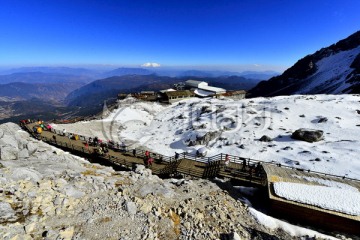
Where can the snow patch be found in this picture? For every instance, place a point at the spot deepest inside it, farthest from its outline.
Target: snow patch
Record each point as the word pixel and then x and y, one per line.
pixel 274 224
pixel 331 198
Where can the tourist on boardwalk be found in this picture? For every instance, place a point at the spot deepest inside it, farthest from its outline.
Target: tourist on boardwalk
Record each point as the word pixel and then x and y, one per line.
pixel 258 169
pixel 123 147
pixel 147 154
pixel 251 169
pixel 86 145
pixel 243 164
pixel 150 161
pixel 96 141
pixel 159 159
pixel 54 138
pixel 226 162
pixel 134 152
pixel 177 155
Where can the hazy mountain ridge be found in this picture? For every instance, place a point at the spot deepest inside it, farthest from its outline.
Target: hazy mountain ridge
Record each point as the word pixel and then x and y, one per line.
pixel 45 91
pixel 53 70
pixel 334 69
pixel 126 71
pixel 41 77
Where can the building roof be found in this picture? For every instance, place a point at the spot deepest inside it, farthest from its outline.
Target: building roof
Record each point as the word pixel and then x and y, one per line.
pixel 167 90
pixel 203 93
pixel 186 93
pixel 194 82
pixel 212 89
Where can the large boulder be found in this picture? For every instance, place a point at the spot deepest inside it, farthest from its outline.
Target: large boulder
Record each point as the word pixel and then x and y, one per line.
pixel 308 135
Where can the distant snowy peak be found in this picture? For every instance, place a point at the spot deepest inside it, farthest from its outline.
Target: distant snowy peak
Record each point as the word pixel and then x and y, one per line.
pixel 331 70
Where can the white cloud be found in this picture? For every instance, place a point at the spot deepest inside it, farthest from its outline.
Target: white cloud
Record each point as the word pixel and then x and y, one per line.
pixel 149 64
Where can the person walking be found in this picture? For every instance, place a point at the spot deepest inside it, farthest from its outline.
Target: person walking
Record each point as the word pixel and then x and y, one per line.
pixel 134 152
pixel 226 162
pixel 243 165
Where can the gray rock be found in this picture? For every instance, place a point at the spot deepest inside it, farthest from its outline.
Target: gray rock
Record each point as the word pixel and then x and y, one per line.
pixel 322 120
pixel 308 135
pixel 6 212
pixel 131 208
pixel 8 140
pixel 24 153
pixel 140 169
pixel 8 153
pixel 31 147
pixel 206 138
pixel 234 236
pixel 265 138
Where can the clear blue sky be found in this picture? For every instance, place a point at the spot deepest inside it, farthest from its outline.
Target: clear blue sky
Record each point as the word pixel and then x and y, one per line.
pixel 270 33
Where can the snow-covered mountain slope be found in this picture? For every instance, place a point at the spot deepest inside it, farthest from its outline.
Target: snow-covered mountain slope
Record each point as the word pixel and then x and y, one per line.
pixel 331 74
pixel 236 127
pixel 331 70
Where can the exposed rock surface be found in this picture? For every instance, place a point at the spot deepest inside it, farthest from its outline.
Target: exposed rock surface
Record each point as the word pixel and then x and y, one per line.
pixel 265 138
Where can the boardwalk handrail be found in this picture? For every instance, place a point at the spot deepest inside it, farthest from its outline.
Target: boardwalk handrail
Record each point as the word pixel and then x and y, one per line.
pixel 218 157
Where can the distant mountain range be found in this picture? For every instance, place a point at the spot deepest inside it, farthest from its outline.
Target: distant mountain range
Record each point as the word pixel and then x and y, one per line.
pixel 126 71
pixel 53 70
pixel 45 91
pixel 41 77
pixel 331 70
pixel 264 75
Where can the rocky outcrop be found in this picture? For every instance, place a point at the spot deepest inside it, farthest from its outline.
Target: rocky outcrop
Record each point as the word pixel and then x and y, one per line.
pixel 308 135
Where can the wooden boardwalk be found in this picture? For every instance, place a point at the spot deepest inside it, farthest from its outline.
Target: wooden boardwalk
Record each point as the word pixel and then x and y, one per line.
pixel 211 167
pixel 186 164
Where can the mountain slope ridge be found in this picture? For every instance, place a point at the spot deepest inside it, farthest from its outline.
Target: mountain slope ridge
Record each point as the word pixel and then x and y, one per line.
pixel 331 70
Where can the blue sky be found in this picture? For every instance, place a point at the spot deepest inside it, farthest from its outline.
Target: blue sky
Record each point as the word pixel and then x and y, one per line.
pixel 233 34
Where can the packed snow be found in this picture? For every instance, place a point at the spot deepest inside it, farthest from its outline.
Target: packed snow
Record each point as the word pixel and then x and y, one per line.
pixel 239 124
pixel 328 183
pixel 273 223
pixel 331 198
